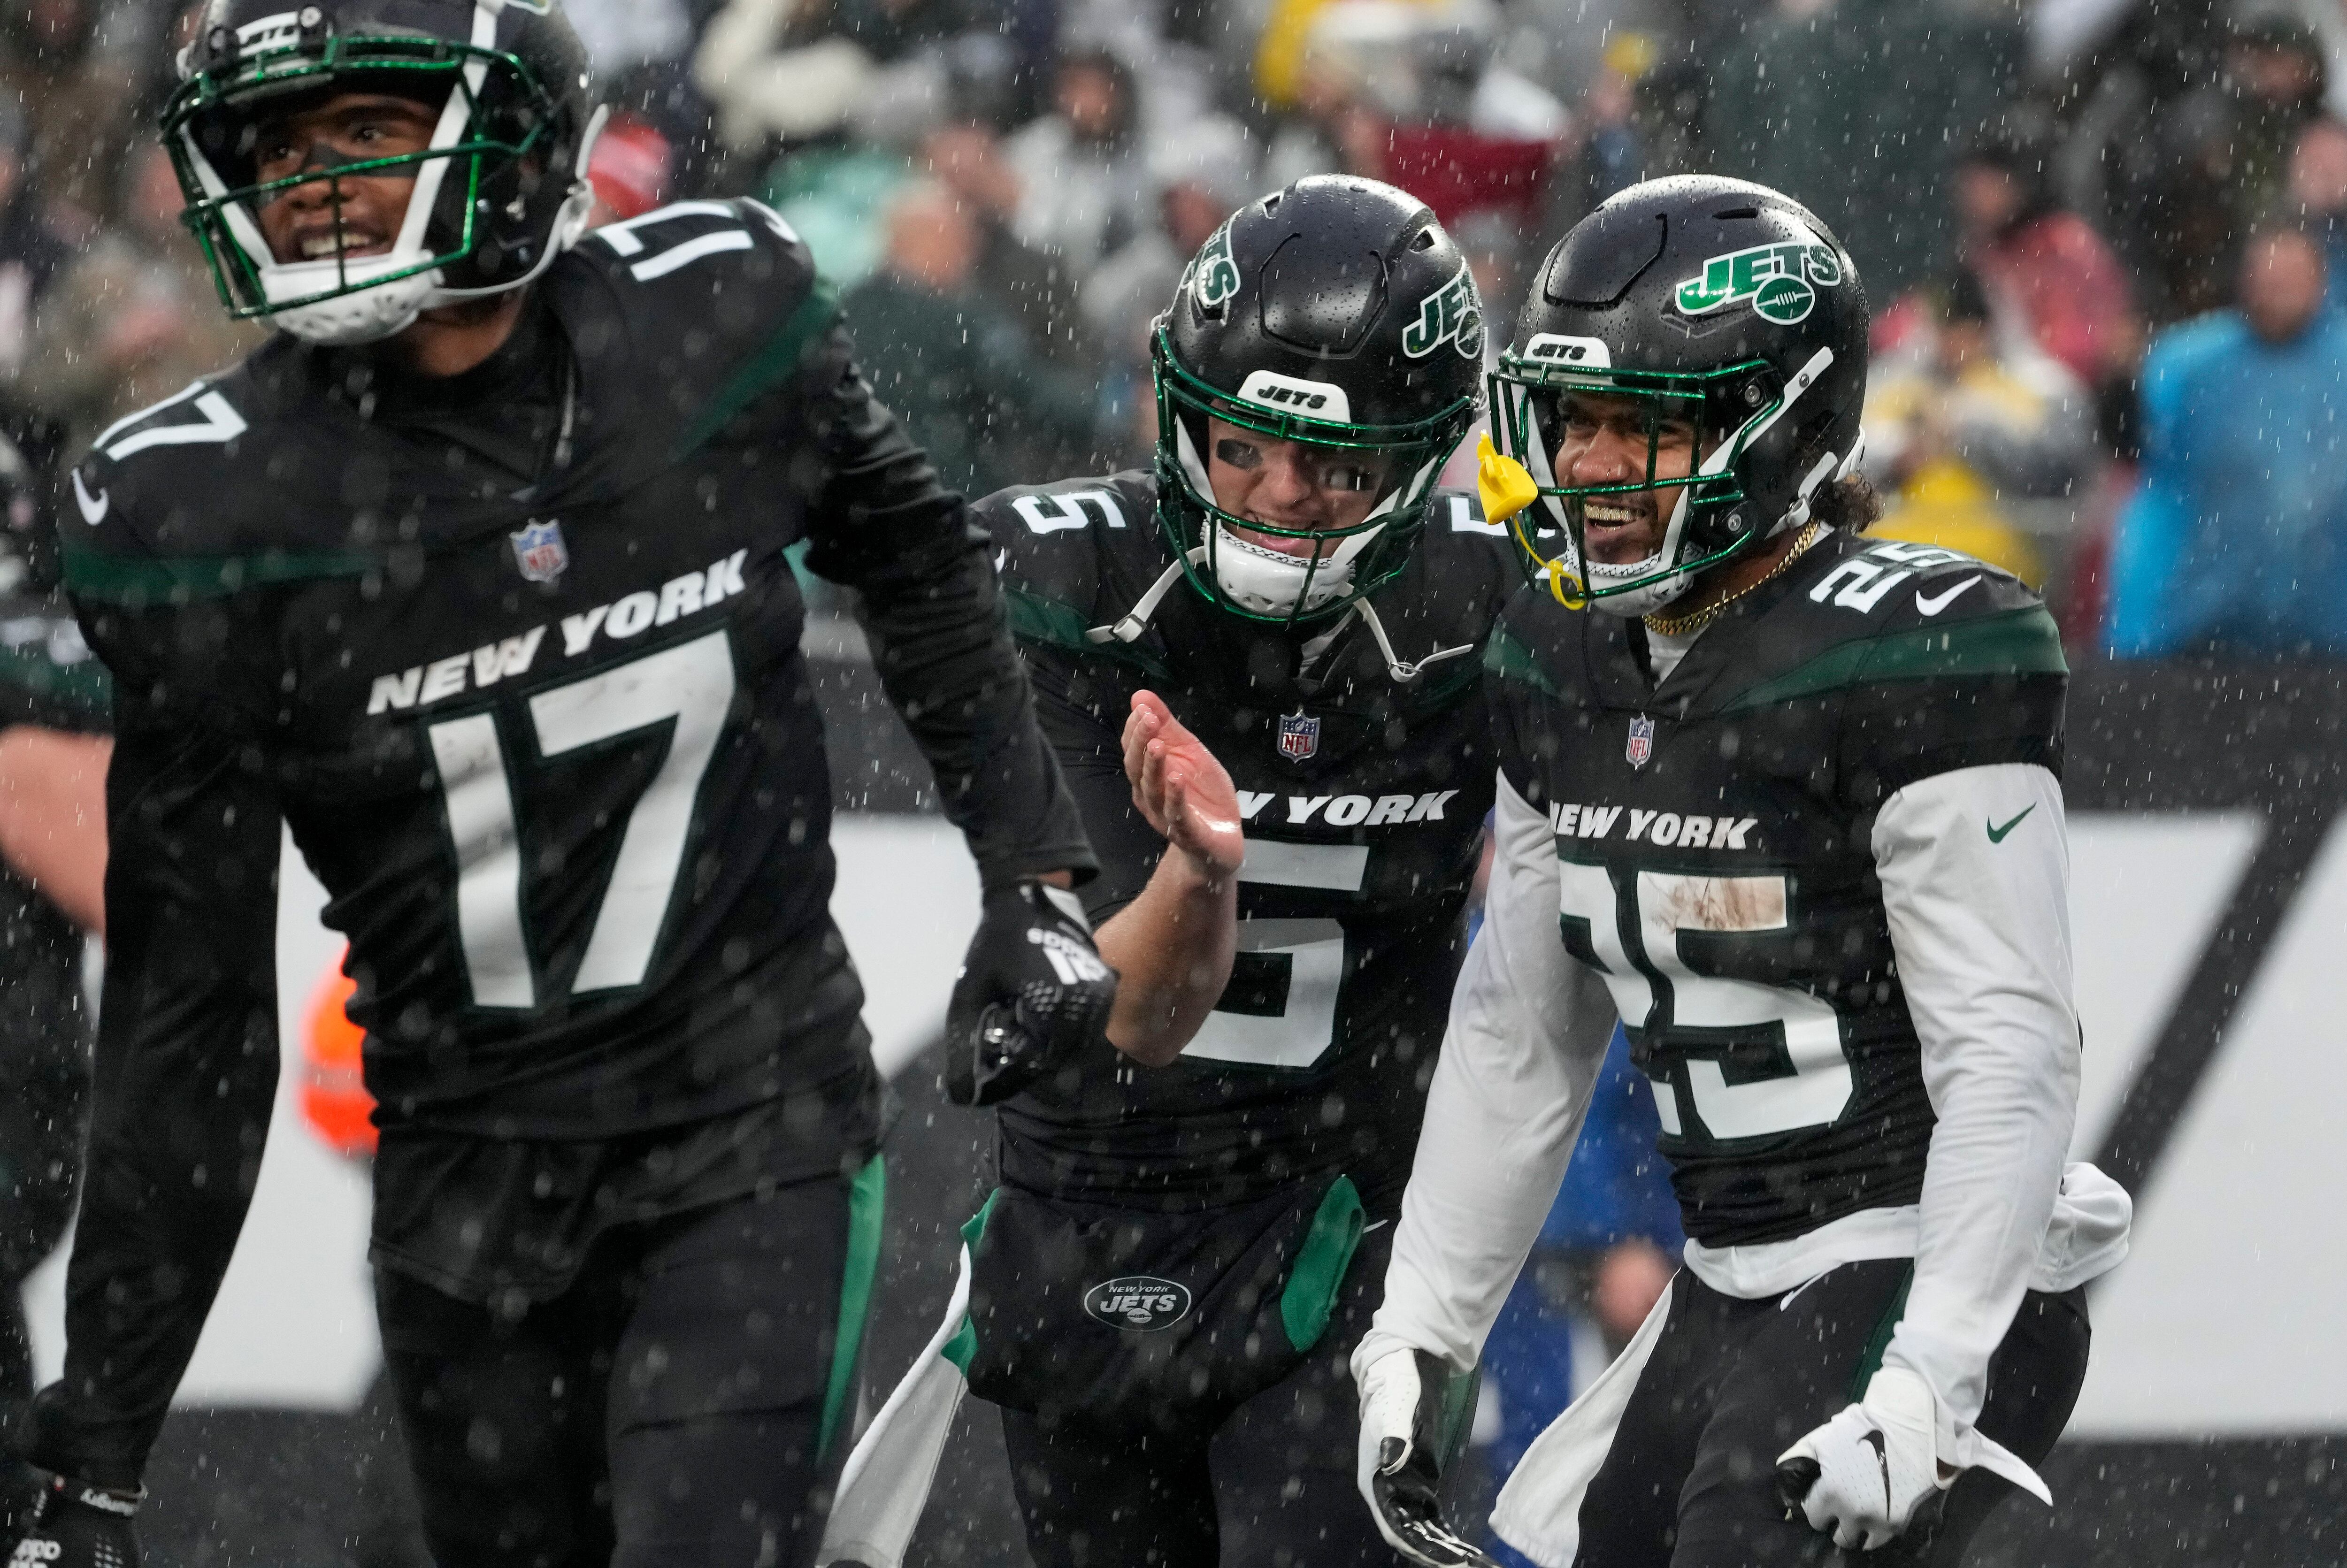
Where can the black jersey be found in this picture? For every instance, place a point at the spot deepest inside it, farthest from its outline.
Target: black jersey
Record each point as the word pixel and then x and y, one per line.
pixel 1364 799
pixel 518 661
pixel 1715 836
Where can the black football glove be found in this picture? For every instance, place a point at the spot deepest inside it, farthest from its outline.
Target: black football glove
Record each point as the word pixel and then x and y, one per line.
pixel 1398 1471
pixel 81 1526
pixel 1033 991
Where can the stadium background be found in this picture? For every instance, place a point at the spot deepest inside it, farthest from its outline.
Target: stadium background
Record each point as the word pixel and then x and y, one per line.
pixel 2066 211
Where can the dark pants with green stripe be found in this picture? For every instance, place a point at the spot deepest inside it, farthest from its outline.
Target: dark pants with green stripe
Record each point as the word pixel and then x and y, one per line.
pixel 1271 1486
pixel 689 1401
pixel 1690 1479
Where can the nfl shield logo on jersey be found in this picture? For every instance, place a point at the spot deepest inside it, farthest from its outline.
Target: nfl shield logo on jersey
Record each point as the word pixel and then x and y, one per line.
pixel 539 551
pixel 1641 741
pixel 1299 736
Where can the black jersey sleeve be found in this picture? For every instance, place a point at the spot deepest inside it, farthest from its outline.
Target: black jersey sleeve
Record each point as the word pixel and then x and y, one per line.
pixel 186 1076
pixel 1083 720
pixel 1965 670
pixel 883 523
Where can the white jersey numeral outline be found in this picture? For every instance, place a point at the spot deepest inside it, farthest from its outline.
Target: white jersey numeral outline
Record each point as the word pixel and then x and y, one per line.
pixel 690 686
pixel 220 426
pixel 1301 1033
pixel 1666 906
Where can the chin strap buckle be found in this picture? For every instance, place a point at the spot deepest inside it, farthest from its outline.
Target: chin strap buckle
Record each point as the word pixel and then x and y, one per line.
pixel 1136 620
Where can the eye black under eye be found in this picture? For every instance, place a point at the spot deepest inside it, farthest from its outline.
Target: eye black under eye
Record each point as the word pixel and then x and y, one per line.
pixel 1236 453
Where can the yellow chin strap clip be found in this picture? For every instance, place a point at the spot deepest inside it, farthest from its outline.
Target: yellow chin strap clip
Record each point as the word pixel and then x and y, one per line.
pixel 1508 491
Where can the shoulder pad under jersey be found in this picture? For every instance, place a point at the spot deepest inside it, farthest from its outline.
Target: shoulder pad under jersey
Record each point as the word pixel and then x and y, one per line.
pixel 1875 609
pixel 1075 554
pixel 681 319
pixel 232 483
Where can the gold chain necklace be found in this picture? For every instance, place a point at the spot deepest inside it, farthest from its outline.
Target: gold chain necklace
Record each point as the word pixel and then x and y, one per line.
pixel 1696 621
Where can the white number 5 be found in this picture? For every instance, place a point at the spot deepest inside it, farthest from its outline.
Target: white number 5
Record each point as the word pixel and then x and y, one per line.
pixel 692 684
pixel 1301 1032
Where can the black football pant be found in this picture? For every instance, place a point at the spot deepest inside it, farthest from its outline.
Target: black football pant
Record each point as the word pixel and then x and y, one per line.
pixel 1271 1487
pixel 1690 1479
pixel 666 1410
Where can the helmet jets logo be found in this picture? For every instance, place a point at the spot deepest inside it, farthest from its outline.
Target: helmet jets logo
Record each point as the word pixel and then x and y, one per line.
pixel 282 31
pixel 1777 279
pixel 1215 275
pixel 1452 314
pixel 1293 394
pixel 1555 348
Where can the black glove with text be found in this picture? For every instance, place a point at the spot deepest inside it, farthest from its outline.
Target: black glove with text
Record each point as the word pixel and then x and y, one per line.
pixel 1033 990
pixel 1398 1467
pixel 80 1525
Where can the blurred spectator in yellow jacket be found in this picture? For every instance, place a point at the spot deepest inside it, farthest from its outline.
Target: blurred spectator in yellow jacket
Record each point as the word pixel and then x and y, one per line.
pixel 1974 421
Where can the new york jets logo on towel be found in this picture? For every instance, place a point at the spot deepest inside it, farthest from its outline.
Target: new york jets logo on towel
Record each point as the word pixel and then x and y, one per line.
pixel 1138 1302
pixel 1780 280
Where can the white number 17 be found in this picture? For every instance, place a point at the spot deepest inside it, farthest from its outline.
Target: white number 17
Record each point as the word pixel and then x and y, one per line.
pixel 692 684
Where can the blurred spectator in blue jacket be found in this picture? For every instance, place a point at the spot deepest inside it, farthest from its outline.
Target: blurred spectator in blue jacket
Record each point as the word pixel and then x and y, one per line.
pixel 2236 542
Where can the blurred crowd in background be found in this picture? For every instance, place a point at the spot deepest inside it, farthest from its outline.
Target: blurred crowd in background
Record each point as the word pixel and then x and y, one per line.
pixel 2103 238
pixel 2104 243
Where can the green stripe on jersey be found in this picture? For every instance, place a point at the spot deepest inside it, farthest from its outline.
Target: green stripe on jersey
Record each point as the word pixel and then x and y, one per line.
pixel 1036 619
pixel 117 580
pixel 771 365
pixel 2021 642
pixel 1508 656
pixel 83 685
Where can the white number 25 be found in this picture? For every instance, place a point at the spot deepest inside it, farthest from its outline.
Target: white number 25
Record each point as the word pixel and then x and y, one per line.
pixel 1818 1090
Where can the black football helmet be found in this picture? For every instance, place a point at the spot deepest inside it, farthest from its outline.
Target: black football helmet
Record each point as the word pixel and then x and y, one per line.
pixel 1712 301
pixel 499 194
pixel 1338 314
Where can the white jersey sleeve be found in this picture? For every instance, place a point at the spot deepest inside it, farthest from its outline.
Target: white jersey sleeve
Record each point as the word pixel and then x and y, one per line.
pixel 1975 881
pixel 1527 1034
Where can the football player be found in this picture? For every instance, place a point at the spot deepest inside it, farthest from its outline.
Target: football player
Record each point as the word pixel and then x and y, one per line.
pixel 1788 800
pixel 1257 664
pixel 473 577
pixel 53 752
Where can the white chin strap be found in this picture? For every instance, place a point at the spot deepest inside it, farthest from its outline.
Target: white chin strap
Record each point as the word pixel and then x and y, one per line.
pixel 1270 583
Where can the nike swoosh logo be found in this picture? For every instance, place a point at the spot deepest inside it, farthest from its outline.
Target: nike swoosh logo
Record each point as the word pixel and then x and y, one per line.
pixel 93 507
pixel 1367 1229
pixel 1883 1458
pixel 1933 605
pixel 1996 834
